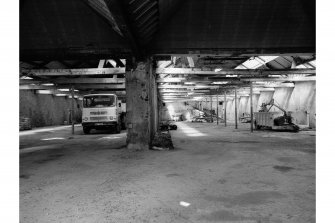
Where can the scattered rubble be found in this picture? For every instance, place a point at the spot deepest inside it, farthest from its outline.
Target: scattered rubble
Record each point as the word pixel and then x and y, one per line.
pixel 162 141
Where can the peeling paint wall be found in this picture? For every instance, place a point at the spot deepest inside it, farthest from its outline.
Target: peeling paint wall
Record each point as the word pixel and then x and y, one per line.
pixel 47 110
pixel 264 97
pixel 243 106
pixel 281 97
pixel 230 110
pixel 302 101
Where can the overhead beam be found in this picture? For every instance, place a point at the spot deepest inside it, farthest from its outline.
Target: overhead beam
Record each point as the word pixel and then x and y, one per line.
pixel 186 86
pixel 239 72
pixel 118 93
pixel 36 87
pixel 249 52
pixel 55 92
pixel 116 7
pixel 204 80
pixel 74 72
pixel 118 87
pixel 101 8
pixel 75 81
pixel 78 87
pixel 281 79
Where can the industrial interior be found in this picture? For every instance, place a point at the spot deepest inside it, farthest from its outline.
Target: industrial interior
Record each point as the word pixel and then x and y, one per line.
pixel 167 111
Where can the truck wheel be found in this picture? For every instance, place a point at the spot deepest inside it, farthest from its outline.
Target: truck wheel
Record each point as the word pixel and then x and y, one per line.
pixel 86 130
pixel 257 126
pixel 118 128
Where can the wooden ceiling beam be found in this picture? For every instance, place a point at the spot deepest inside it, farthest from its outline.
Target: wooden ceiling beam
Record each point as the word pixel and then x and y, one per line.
pixel 73 72
pixel 239 72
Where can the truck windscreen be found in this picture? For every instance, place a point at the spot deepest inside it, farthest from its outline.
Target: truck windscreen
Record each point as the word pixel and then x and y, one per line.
pixel 98 101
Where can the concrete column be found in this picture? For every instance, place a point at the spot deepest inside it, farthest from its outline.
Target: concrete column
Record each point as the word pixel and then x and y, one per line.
pixel 217 109
pixel 211 108
pixel 140 92
pixel 225 109
pixel 235 108
pixel 72 108
pixel 251 109
pixel 153 103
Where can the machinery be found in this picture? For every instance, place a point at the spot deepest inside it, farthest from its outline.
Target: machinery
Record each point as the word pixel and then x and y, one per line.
pixel 274 120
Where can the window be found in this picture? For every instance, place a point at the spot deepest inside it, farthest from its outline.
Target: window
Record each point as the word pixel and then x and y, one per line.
pixel 99 101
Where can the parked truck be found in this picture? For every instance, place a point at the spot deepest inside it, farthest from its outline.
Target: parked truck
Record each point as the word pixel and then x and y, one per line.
pixel 102 111
pixel 279 121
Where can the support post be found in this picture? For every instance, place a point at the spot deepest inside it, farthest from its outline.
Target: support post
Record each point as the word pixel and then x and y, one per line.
pixel 211 109
pixel 217 109
pixel 140 106
pixel 251 109
pixel 72 108
pixel 225 108
pixel 235 108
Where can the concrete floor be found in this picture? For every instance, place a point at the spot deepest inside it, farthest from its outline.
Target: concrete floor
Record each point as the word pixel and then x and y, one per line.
pixel 226 175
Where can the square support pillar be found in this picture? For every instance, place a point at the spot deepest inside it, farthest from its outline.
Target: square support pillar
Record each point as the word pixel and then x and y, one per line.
pixel 140 99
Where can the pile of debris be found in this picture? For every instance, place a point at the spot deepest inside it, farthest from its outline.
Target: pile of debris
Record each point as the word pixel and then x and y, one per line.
pixel 167 125
pixel 162 141
pixel 25 123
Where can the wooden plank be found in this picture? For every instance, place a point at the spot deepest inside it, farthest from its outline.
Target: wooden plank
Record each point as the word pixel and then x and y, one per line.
pixel 96 86
pixel 75 72
pixel 220 79
pixel 239 72
pixel 75 81
pixel 36 87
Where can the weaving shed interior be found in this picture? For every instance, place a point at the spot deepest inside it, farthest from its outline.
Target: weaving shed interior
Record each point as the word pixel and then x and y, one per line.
pixel 230 85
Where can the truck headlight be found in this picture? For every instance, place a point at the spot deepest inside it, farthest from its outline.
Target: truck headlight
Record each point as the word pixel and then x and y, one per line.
pixel 85 119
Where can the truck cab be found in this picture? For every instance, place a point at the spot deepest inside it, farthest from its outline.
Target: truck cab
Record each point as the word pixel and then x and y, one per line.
pixel 101 111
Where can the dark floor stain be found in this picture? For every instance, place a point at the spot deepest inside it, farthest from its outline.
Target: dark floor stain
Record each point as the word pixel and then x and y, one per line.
pixel 82 166
pixel 283 168
pixel 311 151
pixel 110 147
pixel 24 176
pixel 49 158
pixel 245 141
pixel 173 175
pixel 287 159
pixel 222 181
pixel 232 141
pixel 132 156
pixel 249 198
pixel 223 215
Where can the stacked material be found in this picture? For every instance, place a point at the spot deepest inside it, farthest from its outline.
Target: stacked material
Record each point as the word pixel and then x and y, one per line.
pixel 25 123
pixel 162 141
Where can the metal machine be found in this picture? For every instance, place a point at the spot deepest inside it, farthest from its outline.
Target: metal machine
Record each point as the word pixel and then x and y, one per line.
pixel 274 120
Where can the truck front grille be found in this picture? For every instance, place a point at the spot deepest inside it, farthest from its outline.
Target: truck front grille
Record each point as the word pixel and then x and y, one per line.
pixel 98 112
pixel 98 118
